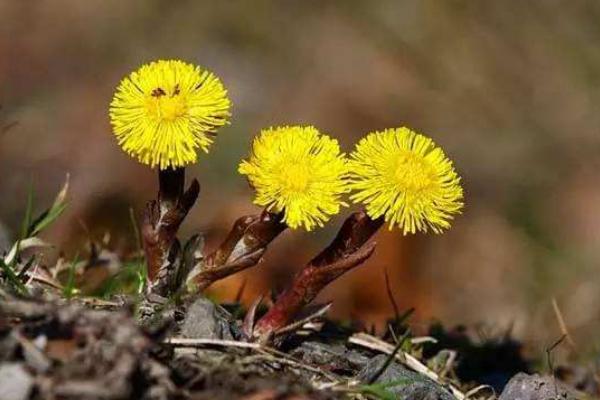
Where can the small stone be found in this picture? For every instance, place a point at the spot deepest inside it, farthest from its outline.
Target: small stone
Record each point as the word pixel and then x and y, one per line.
pixel 15 382
pixel 356 359
pixel 335 356
pixel 205 320
pixel 535 387
pixel 405 384
pixel 320 353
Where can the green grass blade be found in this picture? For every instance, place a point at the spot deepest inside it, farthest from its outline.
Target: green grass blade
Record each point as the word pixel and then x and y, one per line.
pixel 48 218
pixel 51 214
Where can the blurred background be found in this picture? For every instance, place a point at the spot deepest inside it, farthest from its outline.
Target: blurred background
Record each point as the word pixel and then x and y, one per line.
pixel 509 89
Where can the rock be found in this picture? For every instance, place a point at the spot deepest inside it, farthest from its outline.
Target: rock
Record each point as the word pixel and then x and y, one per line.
pixel 335 356
pixel 206 320
pixel 405 384
pixel 535 387
pixel 15 382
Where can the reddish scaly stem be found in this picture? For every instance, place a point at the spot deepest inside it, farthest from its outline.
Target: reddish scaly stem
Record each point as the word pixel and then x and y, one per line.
pixel 162 219
pixel 243 248
pixel 348 250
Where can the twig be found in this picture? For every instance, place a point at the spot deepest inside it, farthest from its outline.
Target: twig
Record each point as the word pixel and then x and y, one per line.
pixel 100 303
pixel 478 389
pixel 563 325
pixel 298 324
pixel 199 343
pixel 50 281
pixel 423 339
pixel 373 343
pixel 388 288
pixel 549 351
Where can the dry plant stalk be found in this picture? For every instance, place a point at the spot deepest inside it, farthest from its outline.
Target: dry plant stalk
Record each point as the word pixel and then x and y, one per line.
pixel 348 250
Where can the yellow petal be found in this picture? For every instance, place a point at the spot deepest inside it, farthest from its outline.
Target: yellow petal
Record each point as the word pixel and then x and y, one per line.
pixel 166 111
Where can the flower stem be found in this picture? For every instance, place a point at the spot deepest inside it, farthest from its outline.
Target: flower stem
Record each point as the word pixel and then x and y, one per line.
pixel 162 219
pixel 170 187
pixel 348 250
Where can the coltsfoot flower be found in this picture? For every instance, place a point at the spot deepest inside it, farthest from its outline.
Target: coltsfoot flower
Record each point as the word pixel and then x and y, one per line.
pixel 404 177
pixel 166 111
pixel 298 171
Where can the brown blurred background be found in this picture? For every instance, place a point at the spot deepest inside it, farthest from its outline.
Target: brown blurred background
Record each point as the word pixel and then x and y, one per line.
pixel 510 89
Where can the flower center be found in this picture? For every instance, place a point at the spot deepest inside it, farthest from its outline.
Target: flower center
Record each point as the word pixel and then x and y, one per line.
pixel 295 178
pixel 166 107
pixel 413 174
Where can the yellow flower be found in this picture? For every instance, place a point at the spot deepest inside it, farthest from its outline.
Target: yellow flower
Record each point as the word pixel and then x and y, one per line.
pixel 405 177
pixel 165 111
pixel 297 171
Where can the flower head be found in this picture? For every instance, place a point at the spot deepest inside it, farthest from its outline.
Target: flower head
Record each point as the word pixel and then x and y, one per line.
pixel 405 177
pixel 165 111
pixel 297 171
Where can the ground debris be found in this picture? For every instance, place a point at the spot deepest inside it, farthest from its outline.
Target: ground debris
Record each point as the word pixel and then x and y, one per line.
pixel 75 352
pixel 241 376
pixel 78 349
pixel 59 350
